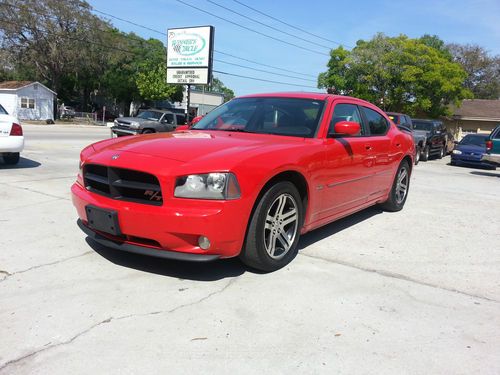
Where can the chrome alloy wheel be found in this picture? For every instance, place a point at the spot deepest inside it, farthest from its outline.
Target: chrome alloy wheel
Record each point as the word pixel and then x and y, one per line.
pixel 281 226
pixel 402 185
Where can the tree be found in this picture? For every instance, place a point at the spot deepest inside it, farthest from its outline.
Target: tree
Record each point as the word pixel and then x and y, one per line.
pixel 398 73
pixel 483 70
pixel 51 38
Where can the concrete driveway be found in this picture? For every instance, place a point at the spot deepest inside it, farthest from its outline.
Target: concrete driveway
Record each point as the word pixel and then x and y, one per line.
pixel 411 292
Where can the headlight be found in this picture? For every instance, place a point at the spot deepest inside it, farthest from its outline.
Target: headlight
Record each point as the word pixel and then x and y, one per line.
pixel 457 152
pixel 134 125
pixel 208 186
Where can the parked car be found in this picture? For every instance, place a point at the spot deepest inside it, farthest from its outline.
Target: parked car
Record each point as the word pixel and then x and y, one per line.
pixel 148 121
pixel 493 147
pixel 11 137
pixel 470 150
pixel 67 112
pixel 435 135
pixel 247 180
pixel 403 122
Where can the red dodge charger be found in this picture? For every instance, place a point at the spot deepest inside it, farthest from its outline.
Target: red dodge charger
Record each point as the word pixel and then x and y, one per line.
pixel 247 180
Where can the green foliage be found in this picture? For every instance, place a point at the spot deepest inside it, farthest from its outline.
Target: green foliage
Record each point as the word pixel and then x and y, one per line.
pixel 398 74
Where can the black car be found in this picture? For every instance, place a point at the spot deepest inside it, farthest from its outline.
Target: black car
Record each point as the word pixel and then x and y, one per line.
pixel 436 137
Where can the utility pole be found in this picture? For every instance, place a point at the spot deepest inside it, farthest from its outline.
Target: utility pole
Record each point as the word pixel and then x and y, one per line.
pixel 188 99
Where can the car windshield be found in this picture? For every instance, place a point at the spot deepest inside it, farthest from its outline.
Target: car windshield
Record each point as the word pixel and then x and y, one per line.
pixel 3 111
pixel 279 116
pixel 417 125
pixel 150 115
pixel 394 118
pixel 473 140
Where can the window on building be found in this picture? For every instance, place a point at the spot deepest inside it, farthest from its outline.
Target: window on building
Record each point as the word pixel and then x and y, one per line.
pixel 27 103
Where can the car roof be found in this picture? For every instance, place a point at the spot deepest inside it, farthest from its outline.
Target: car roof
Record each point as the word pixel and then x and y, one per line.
pixel 304 95
pixel 396 113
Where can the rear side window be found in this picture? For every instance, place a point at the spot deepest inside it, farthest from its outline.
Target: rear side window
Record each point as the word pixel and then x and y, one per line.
pixel 181 119
pixel 345 112
pixel 376 122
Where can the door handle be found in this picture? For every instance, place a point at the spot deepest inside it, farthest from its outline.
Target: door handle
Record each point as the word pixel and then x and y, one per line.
pixel 368 147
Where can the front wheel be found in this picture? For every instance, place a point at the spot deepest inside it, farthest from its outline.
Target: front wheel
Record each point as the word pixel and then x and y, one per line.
pixel 417 155
pixel 274 229
pixel 441 153
pixel 426 153
pixel 11 158
pixel 399 190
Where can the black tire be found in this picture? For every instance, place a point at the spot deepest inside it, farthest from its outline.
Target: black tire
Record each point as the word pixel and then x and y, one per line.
pixel 442 153
pixel 425 154
pixel 11 158
pixel 263 237
pixel 396 202
pixel 417 155
pixel 147 131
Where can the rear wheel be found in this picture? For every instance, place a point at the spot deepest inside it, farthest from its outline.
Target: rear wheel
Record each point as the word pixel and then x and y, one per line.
pixel 11 158
pixel 148 131
pixel 399 190
pixel 274 229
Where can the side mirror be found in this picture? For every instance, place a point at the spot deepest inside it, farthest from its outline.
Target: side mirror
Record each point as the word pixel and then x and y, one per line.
pixel 347 128
pixel 182 127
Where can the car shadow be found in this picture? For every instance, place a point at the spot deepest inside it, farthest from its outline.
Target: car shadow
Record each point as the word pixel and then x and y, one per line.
pixel 489 174
pixel 337 226
pixel 219 269
pixel 210 271
pixel 24 163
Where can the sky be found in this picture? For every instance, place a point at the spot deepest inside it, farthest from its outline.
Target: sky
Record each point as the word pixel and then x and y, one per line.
pixel 336 22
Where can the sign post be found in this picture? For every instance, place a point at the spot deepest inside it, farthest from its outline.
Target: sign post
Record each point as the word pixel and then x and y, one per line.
pixel 190 57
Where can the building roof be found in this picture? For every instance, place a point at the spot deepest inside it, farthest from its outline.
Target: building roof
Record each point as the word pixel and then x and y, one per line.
pixel 16 85
pixel 478 109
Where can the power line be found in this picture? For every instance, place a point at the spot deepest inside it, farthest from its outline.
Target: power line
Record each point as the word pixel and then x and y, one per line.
pixel 290 25
pixel 221 52
pixel 266 65
pixel 264 71
pixel 266 25
pixel 263 80
pixel 253 30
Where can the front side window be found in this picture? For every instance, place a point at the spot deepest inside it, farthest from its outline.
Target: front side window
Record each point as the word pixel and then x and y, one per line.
pixel 376 122
pixel 168 118
pixel 3 111
pixel 267 115
pixel 345 112
pixel 27 103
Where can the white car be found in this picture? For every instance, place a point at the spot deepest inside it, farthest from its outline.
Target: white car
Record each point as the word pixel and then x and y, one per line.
pixel 11 137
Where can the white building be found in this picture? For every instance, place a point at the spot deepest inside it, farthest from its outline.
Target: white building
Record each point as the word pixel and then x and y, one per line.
pixel 27 100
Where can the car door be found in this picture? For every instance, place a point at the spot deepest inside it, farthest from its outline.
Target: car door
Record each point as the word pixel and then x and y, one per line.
pixel 348 165
pixel 380 146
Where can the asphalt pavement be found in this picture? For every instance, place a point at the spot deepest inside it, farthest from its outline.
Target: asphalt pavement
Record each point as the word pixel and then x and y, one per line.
pixel 415 292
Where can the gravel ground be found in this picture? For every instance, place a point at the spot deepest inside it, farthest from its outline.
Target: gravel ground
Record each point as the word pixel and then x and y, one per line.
pixel 411 292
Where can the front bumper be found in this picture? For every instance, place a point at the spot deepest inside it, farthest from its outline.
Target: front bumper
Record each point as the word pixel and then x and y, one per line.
pixel 118 130
pixel 11 144
pixel 171 230
pixel 471 161
pixel 143 250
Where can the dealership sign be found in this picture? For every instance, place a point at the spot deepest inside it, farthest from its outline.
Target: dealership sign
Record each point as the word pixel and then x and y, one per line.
pixel 189 55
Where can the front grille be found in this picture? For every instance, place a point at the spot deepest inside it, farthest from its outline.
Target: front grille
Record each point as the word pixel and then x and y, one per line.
pixel 122 184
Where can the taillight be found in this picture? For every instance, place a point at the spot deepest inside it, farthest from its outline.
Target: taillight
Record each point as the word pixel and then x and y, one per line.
pixel 16 130
pixel 489 145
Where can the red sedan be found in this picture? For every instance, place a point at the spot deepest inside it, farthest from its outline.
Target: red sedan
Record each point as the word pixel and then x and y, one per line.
pixel 247 180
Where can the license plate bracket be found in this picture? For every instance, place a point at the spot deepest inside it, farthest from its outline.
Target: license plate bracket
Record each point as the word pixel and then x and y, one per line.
pixel 103 220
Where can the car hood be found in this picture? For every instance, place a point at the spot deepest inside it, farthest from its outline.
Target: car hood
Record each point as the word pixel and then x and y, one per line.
pixel 136 120
pixel 188 146
pixel 471 148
